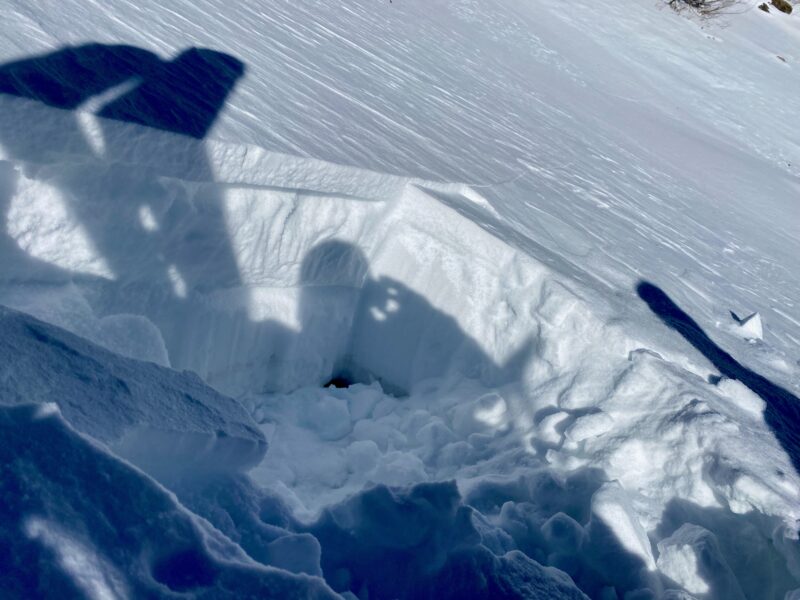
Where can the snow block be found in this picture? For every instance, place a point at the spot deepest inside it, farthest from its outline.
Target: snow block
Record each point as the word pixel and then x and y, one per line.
pixel 157 418
pixel 618 546
pixel 691 556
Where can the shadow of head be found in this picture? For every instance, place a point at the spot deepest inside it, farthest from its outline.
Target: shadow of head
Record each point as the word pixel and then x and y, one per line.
pixel 334 263
pixel 181 96
pixel 331 277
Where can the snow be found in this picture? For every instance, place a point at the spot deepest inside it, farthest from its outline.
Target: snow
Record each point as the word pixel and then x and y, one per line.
pixel 692 550
pixel 613 509
pixel 516 232
pixel 79 522
pixel 151 415
pixel 751 328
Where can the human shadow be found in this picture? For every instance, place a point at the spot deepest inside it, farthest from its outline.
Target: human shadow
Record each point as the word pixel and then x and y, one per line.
pixel 396 336
pixel 782 408
pixel 161 240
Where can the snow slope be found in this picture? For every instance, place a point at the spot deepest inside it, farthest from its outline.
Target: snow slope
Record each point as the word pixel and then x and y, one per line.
pixel 519 229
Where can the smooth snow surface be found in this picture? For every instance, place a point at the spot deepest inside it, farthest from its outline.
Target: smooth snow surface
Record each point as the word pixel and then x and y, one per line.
pixel 545 254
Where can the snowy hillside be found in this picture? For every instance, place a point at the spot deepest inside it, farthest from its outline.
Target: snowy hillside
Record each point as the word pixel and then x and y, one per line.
pixel 409 299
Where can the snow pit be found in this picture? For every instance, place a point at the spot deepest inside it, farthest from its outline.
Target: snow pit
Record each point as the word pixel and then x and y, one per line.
pixel 443 411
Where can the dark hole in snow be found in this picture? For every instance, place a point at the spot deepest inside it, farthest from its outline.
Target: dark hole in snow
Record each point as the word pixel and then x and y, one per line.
pixel 339 381
pixel 185 570
pixel 353 375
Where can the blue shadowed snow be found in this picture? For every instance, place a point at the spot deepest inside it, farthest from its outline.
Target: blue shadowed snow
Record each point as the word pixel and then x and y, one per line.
pixel 782 408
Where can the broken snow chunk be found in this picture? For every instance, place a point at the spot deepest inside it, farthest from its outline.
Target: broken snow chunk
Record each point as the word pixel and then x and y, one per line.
pixel 455 455
pixel 563 534
pixel 491 409
pixel 399 469
pixel 433 436
pixel 362 400
pixel 589 426
pixel 486 413
pixel 383 434
pixel 750 328
pixel 692 558
pixel 362 456
pixel 329 417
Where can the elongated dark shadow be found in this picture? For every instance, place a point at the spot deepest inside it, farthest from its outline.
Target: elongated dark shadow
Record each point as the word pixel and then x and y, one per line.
pixel 782 412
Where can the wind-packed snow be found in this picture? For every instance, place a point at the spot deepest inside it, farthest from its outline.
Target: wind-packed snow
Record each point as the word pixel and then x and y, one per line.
pixel 545 254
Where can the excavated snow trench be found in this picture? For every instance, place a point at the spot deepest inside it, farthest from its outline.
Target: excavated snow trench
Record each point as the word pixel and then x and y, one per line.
pixel 467 359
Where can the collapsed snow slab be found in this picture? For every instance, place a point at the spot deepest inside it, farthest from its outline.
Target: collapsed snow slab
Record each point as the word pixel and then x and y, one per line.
pixel 160 419
pixel 77 522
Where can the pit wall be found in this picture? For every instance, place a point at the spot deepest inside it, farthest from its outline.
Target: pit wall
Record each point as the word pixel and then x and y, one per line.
pixel 257 270
pixel 262 272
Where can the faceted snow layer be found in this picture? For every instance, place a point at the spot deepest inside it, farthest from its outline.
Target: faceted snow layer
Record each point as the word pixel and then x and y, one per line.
pixel 520 414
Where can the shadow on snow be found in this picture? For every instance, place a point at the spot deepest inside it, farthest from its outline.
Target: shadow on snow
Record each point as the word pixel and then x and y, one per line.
pixel 782 412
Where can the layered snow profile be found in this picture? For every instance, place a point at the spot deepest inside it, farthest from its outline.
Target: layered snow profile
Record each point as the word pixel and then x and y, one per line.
pixel 233 366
